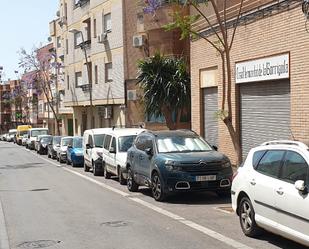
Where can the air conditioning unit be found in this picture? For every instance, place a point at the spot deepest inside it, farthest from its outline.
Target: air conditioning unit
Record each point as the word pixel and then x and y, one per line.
pixel 102 38
pixel 108 112
pixel 138 41
pixel 131 95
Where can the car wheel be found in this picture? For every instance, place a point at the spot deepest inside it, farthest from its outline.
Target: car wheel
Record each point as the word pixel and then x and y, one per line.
pixel 131 184
pixel 122 181
pixel 224 193
pixel 246 217
pixel 48 155
pixel 107 175
pixel 68 162
pixel 157 187
pixel 96 171
pixel 86 168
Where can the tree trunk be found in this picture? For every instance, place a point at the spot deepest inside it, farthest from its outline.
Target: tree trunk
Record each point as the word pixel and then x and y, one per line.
pixel 168 118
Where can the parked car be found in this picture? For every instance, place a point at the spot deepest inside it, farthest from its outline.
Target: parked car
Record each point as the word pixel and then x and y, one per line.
pixel 21 131
pixel 24 140
pixel 62 151
pixel 176 161
pixel 43 144
pixel 75 152
pixel 92 149
pixel 11 135
pixel 270 190
pixel 37 142
pixel 53 147
pixel 33 134
pixel 115 147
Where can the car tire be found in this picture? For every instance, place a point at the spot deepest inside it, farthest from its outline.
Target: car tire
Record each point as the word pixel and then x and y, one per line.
pixel 224 193
pixel 68 162
pixel 246 218
pixel 96 171
pixel 86 168
pixel 107 175
pixel 48 155
pixel 131 184
pixel 122 181
pixel 157 187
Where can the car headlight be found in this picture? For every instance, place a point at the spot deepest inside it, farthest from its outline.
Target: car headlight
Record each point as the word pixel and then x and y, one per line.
pixel 226 164
pixel 171 166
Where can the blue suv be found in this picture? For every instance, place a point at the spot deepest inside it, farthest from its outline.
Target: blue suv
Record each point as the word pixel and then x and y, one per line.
pixel 176 161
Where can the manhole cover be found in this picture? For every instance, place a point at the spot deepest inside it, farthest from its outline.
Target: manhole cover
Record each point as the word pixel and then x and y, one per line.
pixel 226 209
pixel 38 244
pixel 117 223
pixel 39 189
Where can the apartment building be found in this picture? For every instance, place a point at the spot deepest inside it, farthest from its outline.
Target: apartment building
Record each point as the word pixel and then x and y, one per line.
pixel 92 40
pixel 5 108
pixel 16 102
pixel 145 35
pixel 58 33
pixel 270 90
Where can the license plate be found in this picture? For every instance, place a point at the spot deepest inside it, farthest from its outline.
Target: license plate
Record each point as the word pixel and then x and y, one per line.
pixel 205 178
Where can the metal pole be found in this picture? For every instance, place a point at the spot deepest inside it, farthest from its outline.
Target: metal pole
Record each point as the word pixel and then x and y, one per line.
pixel 57 94
pixel 89 80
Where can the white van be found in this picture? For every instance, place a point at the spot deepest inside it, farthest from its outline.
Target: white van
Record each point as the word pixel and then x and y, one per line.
pixel 33 134
pixel 93 149
pixel 12 134
pixel 116 144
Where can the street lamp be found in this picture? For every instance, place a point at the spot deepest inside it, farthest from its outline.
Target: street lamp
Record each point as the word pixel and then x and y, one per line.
pixel 83 47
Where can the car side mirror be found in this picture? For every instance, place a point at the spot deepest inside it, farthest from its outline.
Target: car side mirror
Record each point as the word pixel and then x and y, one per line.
pixel 149 151
pixel 70 146
pixel 112 150
pixel 88 146
pixel 57 145
pixel 215 147
pixel 49 143
pixel 301 187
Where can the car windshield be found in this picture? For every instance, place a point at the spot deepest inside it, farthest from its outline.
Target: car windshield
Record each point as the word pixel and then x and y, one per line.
pixel 77 142
pixel 98 140
pixel 25 135
pixel 56 140
pixel 66 141
pixel 36 133
pixel 174 144
pixel 125 143
pixel 22 133
pixel 46 139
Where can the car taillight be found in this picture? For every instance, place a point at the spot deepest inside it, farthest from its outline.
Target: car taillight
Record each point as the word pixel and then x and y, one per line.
pixel 234 175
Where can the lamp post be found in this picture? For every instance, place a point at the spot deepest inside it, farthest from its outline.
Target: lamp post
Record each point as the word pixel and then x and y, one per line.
pixel 83 47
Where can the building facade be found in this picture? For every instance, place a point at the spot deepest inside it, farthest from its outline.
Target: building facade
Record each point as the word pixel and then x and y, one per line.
pixel 5 108
pixel 269 78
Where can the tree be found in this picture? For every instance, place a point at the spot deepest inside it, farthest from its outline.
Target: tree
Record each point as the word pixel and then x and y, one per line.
pixel 42 62
pixel 222 40
pixel 166 86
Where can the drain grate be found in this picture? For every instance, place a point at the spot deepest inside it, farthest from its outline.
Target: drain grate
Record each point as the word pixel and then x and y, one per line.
pixel 38 244
pixel 39 189
pixel 118 223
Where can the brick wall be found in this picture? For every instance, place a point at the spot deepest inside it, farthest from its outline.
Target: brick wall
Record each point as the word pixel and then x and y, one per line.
pixel 283 32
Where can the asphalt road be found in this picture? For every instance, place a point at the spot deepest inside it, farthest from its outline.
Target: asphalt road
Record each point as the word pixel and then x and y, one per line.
pixel 48 205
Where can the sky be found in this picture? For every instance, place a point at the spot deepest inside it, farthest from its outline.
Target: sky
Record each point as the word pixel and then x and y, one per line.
pixel 23 24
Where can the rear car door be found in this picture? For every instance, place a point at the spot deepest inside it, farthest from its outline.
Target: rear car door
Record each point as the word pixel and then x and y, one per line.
pixel 262 183
pixel 293 205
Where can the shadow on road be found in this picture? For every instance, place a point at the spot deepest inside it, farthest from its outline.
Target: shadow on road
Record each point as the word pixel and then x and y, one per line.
pixel 21 166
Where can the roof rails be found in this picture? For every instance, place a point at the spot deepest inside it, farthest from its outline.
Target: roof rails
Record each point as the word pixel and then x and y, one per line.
pixel 286 142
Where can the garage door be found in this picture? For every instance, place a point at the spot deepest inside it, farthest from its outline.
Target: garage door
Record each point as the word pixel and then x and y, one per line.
pixel 210 119
pixel 264 113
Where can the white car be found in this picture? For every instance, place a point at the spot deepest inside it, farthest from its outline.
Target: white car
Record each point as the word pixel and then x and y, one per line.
pixel 116 144
pixel 24 139
pixel 32 136
pixel 270 190
pixel 62 150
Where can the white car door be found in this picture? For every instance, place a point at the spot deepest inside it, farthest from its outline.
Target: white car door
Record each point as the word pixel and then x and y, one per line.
pixel 262 182
pixel 107 159
pixel 292 204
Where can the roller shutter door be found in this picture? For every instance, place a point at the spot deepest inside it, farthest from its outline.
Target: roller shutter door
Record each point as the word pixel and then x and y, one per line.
pixel 210 119
pixel 264 113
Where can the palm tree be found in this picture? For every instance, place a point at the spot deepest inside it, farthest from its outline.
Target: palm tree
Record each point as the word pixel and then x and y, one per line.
pixel 166 85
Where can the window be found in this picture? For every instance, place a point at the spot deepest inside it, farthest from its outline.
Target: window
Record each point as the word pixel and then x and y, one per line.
pixel 58 42
pixel 78 79
pixel 67 46
pixel 257 157
pixel 107 22
pixel 108 72
pixel 96 79
pixel 88 29
pixel 98 140
pixel 125 142
pixel 141 143
pixel 68 82
pixel 95 28
pixel 77 39
pixel 270 163
pixel 113 145
pixel 294 168
pixel 107 142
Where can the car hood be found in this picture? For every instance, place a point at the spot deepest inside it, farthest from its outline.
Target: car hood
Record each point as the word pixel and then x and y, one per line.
pixel 77 150
pixel 194 157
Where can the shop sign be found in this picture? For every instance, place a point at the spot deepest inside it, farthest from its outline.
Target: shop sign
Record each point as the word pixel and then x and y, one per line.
pixel 269 68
